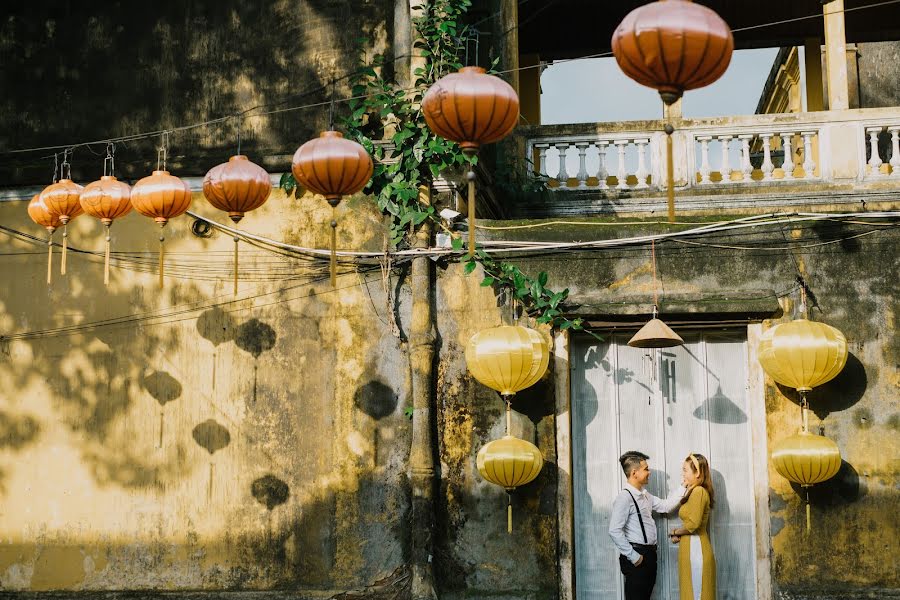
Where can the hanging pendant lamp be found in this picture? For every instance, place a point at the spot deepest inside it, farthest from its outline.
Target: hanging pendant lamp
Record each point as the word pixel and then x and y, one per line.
pixel 107 199
pixel 472 108
pixel 334 167
pixel 62 199
pixel 161 196
pixel 42 216
pixel 237 187
pixel 509 462
pixel 655 333
pixel 673 46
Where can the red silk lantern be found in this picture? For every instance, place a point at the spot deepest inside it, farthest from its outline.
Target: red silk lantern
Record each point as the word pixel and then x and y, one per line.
pixel 62 199
pixel 673 46
pixel 161 196
pixel 472 108
pixel 41 215
pixel 236 187
pixel 333 167
pixel 106 199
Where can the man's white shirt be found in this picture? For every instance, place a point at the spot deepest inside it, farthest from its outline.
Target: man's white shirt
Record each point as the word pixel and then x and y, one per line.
pixel 624 526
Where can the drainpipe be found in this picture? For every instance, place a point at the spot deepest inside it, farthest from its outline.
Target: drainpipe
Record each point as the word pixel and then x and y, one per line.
pixel 421 455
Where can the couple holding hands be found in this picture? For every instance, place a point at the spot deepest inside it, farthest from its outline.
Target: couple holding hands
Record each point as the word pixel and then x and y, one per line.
pixel 633 530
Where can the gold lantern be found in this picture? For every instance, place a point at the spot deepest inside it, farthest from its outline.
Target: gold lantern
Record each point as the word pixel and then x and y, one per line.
pixel 806 459
pixel 509 462
pixel 508 359
pixel 803 354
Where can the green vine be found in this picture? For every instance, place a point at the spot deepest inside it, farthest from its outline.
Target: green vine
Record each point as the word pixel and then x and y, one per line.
pixel 388 121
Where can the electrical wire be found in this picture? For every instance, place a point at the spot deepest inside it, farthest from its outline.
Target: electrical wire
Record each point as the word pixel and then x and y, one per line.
pixel 244 114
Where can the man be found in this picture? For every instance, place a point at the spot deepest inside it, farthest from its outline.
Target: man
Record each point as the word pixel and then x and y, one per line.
pixel 632 529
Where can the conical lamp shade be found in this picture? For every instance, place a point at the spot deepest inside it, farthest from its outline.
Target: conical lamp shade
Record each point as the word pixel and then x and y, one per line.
pixel 655 334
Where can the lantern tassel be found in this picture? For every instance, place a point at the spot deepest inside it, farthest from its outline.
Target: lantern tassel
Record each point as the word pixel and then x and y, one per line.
pixel 236 240
pixel 62 266
pixel 471 202
pixel 670 175
pixel 333 266
pixel 508 513
pixel 106 260
pixel 162 260
pixel 808 513
pixel 50 258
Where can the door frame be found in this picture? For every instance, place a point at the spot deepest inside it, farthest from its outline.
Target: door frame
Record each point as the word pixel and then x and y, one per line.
pixel 756 409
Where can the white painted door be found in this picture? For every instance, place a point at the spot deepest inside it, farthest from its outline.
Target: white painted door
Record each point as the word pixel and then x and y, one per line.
pixel 665 403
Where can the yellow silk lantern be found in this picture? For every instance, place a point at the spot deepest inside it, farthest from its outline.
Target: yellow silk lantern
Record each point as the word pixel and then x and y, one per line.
pixel 508 359
pixel 509 462
pixel 803 354
pixel 806 459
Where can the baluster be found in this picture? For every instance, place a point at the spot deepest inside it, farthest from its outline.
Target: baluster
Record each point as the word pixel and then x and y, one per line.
pixel 788 165
pixel 809 165
pixel 875 158
pixel 642 172
pixel 562 177
pixel 621 173
pixel 582 167
pixel 542 159
pixel 704 158
pixel 746 167
pixel 895 150
pixel 725 169
pixel 602 173
pixel 767 166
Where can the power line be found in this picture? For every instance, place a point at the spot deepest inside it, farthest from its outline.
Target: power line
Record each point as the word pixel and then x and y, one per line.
pixel 244 114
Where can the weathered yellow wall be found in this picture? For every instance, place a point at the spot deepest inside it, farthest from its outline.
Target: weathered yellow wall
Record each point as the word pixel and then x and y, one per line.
pixel 95 496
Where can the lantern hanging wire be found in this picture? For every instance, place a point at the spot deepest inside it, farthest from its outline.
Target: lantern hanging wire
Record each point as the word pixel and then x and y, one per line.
pixel 161 156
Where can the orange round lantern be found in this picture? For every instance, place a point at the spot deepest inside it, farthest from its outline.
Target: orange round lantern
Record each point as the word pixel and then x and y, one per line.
pixel 673 46
pixel 106 199
pixel 41 215
pixel 62 199
pixel 334 167
pixel 472 108
pixel 161 196
pixel 236 187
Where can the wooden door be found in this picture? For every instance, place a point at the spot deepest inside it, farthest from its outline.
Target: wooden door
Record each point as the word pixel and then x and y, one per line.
pixel 665 403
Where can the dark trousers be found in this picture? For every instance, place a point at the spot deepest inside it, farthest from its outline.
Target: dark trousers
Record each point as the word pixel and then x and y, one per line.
pixel 639 580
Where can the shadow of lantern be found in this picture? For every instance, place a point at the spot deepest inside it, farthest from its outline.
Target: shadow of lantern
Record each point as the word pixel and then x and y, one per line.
pixel 269 491
pixel 164 388
pixel 212 437
pixel 217 326
pixel 255 337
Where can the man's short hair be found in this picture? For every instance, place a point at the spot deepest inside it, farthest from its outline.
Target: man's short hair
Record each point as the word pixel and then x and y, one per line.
pixel 631 460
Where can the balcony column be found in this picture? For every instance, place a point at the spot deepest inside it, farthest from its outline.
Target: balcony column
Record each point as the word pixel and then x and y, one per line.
pixel 875 161
pixel 895 151
pixel 836 55
pixel 787 167
pixel 582 164
pixel 642 171
pixel 725 169
pixel 704 158
pixel 746 167
pixel 767 166
pixel 622 173
pixel 563 176
pixel 602 173
pixel 509 19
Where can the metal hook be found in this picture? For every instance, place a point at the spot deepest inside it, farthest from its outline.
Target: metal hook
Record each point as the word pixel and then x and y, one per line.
pixel 162 151
pixel 331 109
pixel 65 170
pixel 55 167
pixel 110 159
pixel 240 129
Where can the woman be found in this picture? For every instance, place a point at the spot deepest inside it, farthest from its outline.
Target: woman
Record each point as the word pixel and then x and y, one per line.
pixel 696 563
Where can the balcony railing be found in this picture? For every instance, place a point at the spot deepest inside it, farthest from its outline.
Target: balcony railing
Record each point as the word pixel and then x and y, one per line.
pixel 736 155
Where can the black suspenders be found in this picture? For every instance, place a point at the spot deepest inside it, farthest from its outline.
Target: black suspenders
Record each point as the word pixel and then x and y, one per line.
pixel 640 518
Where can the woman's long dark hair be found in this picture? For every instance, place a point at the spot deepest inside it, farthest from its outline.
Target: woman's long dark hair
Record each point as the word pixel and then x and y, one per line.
pixel 705 478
